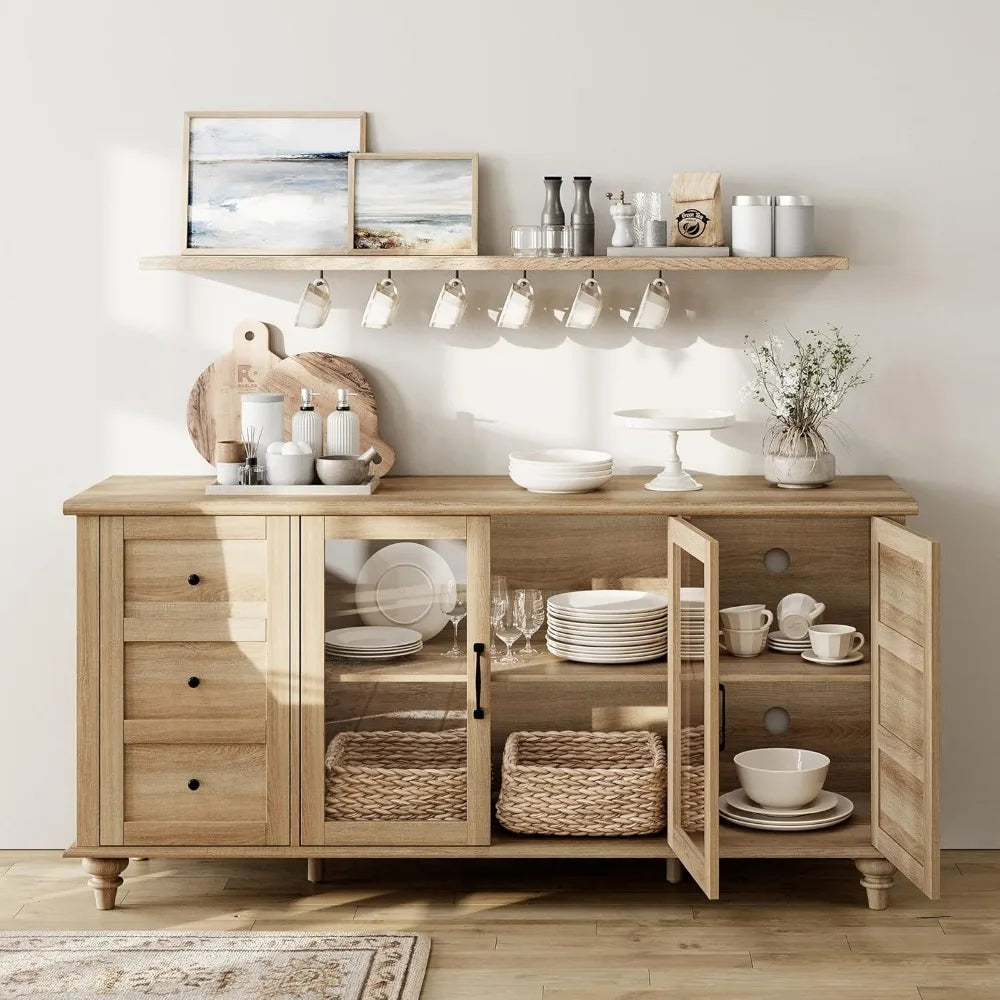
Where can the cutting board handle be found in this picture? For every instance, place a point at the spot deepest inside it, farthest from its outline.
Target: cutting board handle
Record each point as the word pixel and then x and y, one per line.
pixel 252 357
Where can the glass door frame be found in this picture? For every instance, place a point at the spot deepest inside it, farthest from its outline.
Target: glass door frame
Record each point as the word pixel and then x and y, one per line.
pixel 315 830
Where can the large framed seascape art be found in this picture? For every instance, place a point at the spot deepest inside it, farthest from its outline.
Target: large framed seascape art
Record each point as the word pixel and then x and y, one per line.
pixel 414 203
pixel 269 182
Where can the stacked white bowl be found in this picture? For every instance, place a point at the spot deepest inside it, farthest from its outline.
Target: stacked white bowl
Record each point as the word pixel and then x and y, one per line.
pixel 560 470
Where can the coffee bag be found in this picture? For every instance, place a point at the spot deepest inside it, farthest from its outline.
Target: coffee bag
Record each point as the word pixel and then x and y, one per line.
pixel 696 219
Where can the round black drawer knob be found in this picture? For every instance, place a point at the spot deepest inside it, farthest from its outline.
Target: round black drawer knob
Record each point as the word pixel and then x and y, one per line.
pixel 194 579
pixel 194 784
pixel 193 682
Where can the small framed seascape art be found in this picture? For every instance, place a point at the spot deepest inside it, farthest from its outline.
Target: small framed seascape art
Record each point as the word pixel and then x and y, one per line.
pixel 269 182
pixel 414 203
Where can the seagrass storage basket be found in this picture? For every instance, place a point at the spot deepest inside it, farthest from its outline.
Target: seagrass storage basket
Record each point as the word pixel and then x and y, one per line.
pixel 583 784
pixel 692 765
pixel 396 777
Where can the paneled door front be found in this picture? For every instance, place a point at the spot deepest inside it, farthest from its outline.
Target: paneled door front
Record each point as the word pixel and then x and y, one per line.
pixel 693 683
pixel 394 639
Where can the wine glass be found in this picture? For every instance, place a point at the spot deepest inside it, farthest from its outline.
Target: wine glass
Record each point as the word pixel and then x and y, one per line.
pixel 508 628
pixel 452 600
pixel 532 605
pixel 499 594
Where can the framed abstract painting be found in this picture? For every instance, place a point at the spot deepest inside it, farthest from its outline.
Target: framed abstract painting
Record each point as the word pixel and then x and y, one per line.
pixel 269 182
pixel 414 203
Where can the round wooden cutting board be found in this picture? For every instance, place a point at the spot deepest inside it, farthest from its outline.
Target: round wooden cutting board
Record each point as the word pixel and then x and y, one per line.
pixel 213 409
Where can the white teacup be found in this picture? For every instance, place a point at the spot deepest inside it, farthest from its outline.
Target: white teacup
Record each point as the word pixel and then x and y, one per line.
pixel 796 613
pixel 314 307
pixel 382 305
pixel 518 306
pixel 835 642
pixel 654 306
pixel 450 306
pixel 746 616
pixel 743 642
pixel 586 308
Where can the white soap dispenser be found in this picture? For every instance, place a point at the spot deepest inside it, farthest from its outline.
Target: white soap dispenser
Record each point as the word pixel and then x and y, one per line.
pixel 343 428
pixel 307 424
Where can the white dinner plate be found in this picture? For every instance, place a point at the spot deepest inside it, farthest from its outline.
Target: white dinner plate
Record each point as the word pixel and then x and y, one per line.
pixel 362 658
pixel 372 637
pixel 399 586
pixel 738 801
pixel 653 639
pixel 375 649
pixel 573 647
pixel 609 603
pixel 626 631
pixel 602 658
pixel 828 662
pixel 837 814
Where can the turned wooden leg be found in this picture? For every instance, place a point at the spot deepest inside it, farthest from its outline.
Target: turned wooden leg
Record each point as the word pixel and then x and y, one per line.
pixel 316 871
pixel 675 871
pixel 876 877
pixel 105 877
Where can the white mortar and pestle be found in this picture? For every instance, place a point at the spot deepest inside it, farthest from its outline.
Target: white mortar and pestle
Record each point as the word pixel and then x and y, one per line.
pixel 347 470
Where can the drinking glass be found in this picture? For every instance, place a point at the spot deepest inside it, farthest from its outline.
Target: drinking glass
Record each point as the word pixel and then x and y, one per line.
pixel 499 593
pixel 525 241
pixel 557 241
pixel 453 602
pixel 509 629
pixel 532 612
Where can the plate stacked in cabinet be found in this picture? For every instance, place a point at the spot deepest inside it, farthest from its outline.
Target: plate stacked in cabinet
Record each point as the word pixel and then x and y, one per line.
pixel 693 623
pixel 373 642
pixel 607 626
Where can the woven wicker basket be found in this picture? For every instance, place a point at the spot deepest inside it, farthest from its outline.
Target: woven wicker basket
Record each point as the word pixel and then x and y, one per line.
pixel 396 777
pixel 693 780
pixel 584 784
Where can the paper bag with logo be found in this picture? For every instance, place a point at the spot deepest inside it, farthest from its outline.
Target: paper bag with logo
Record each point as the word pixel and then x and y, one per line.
pixel 696 219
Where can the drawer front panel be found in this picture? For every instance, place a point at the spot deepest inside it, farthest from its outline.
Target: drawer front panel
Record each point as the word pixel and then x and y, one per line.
pixel 196 573
pixel 230 783
pixel 196 680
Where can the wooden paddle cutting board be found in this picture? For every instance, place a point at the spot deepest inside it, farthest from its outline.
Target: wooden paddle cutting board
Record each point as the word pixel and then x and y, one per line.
pixel 213 409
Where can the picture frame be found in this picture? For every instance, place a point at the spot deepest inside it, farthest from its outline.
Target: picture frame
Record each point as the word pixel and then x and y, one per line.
pixel 254 180
pixel 413 204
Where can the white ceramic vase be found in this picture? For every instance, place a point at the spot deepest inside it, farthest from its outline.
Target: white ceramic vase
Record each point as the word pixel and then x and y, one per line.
pixel 800 472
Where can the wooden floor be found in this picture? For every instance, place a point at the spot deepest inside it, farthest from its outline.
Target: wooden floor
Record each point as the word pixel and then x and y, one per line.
pixel 573 930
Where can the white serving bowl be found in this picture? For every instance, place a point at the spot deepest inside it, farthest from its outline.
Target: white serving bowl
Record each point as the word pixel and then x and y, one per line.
pixel 572 458
pixel 539 483
pixel 291 470
pixel 781 777
pixel 533 473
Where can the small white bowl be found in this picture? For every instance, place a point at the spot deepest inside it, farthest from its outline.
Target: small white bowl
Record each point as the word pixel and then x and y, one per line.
pixel 781 777
pixel 570 458
pixel 291 470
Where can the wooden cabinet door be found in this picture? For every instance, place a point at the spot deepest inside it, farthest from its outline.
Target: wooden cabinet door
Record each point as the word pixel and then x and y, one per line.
pixel 194 681
pixel 374 728
pixel 905 731
pixel 693 752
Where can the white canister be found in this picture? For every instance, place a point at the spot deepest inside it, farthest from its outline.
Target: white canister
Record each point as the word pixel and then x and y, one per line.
pixel 752 225
pixel 262 416
pixel 793 225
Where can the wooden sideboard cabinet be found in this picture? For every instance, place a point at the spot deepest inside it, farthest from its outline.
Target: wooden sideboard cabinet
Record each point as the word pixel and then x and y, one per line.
pixel 207 701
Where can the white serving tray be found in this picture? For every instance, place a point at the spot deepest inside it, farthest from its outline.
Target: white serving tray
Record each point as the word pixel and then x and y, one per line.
pixel 319 490
pixel 668 251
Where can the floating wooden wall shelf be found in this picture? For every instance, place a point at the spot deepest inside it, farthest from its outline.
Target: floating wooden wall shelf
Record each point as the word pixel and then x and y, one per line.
pixel 364 262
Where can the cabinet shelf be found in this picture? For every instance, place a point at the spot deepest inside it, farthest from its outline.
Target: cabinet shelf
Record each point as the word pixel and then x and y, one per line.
pixel 430 667
pixel 483 262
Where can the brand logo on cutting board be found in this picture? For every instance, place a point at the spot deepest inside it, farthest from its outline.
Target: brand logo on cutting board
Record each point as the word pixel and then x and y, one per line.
pixel 246 377
pixel 692 223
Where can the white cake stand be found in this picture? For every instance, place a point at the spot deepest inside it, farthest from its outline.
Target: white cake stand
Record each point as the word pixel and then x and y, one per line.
pixel 673 478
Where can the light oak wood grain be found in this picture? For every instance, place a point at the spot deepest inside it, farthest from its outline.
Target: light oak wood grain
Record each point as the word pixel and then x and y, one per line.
pixel 477 631
pixel 112 591
pixel 88 679
pixel 200 528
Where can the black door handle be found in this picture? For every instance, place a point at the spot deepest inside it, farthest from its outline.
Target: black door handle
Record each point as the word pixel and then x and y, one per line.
pixel 479 648
pixel 722 720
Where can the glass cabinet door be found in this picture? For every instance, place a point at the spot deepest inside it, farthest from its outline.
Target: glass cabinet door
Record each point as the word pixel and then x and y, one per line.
pixel 693 681
pixel 394 680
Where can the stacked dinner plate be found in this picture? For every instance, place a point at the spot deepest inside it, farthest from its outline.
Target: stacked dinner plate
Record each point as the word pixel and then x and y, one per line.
pixel 693 623
pixel 781 643
pixel 607 626
pixel 827 809
pixel 373 642
pixel 560 470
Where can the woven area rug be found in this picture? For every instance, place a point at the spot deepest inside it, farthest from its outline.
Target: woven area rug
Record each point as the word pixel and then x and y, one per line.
pixel 228 966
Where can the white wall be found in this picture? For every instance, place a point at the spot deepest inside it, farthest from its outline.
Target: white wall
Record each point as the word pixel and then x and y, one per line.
pixel 883 111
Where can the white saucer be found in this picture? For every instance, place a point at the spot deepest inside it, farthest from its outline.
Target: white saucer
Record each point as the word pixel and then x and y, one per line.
pixel 841 811
pixel 738 800
pixel 827 662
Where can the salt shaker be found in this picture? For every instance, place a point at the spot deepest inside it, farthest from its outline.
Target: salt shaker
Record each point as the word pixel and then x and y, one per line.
pixel 793 226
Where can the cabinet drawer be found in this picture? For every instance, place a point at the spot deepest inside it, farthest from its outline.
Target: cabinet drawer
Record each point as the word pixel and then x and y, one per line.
pixel 213 794
pixel 196 680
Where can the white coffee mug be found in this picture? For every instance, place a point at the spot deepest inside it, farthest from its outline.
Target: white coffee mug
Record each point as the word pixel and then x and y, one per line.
pixel 450 306
pixel 835 642
pixel 796 612
pixel 586 308
pixel 518 306
pixel 739 642
pixel 382 304
pixel 746 616
pixel 654 307
pixel 314 306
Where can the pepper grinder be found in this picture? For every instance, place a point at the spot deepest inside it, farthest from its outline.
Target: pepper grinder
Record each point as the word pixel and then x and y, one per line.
pixel 622 214
pixel 552 211
pixel 582 219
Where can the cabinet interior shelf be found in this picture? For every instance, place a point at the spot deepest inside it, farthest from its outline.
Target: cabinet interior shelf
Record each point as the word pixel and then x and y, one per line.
pixel 430 667
pixel 482 262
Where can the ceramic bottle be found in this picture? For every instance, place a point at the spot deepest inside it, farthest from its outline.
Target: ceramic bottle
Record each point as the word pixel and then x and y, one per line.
pixel 343 429
pixel 582 219
pixel 307 424
pixel 552 211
